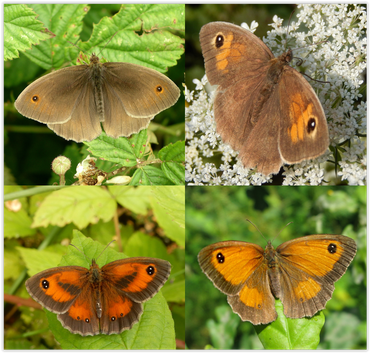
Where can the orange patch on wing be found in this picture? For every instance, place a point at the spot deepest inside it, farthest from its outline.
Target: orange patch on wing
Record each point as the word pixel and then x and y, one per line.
pixel 245 260
pixel 306 290
pixel 299 116
pixel 134 276
pixel 313 257
pixel 80 310
pixel 252 297
pixel 119 306
pixel 225 53
pixel 55 291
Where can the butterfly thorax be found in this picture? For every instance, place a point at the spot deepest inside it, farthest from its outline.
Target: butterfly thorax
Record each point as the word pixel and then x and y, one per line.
pixel 272 262
pixel 95 273
pixel 96 77
pixel 277 67
pixel 94 60
pixel 96 281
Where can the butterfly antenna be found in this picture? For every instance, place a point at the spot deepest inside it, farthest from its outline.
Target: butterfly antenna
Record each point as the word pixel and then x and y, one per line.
pixel 287 29
pixel 281 231
pixel 285 227
pixel 290 18
pixel 76 248
pixel 104 249
pixel 80 251
pixel 75 44
pixel 248 220
pixel 86 255
pixel 104 48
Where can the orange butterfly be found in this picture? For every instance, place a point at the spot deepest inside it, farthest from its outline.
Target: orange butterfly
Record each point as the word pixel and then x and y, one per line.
pixel 300 272
pixel 99 300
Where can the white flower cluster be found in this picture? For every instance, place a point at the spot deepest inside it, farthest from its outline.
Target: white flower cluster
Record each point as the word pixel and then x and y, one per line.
pixel 338 55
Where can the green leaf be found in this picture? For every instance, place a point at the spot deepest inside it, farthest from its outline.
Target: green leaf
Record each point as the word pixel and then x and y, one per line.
pixel 129 151
pixel 173 157
pixel 81 205
pixel 169 208
pixel 21 30
pixel 134 199
pixel 173 152
pixel 149 175
pixel 65 21
pixel 175 292
pixel 122 150
pixel 285 333
pixel 175 172
pixel 17 224
pixel 141 244
pixel 31 258
pixel 157 47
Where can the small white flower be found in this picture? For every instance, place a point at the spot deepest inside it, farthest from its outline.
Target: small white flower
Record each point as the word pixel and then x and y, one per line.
pixel 84 166
pixel 252 28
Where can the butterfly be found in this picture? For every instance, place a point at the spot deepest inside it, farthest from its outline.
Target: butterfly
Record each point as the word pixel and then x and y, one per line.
pixel 300 272
pixel 105 300
pixel 263 107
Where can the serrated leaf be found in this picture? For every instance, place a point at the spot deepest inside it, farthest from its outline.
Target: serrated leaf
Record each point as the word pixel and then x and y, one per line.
pixel 65 21
pixel 80 205
pixel 122 150
pixel 173 157
pixel 156 48
pixel 173 152
pixel 149 175
pixel 21 30
pixel 175 172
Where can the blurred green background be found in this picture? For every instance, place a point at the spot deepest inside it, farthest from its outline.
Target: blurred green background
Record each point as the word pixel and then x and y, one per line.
pixel 218 213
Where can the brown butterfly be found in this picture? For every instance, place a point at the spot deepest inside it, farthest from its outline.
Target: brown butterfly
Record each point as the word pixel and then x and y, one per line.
pixel 263 108
pixel 74 101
